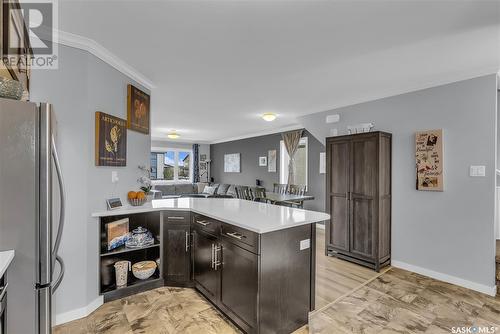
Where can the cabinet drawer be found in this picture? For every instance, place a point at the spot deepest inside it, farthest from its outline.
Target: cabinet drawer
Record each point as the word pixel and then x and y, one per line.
pixel 244 238
pixel 206 224
pixel 176 216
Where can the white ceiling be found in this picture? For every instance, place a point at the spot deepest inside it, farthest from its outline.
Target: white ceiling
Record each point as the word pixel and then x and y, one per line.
pixel 218 65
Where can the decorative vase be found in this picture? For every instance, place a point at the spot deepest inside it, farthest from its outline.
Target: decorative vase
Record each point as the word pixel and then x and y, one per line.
pixel 121 270
pixel 11 89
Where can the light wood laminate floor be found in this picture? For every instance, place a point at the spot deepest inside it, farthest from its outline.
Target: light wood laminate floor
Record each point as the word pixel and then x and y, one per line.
pixel 335 277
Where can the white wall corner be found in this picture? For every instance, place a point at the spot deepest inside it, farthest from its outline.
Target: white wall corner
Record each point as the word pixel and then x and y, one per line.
pixel 489 290
pixel 78 313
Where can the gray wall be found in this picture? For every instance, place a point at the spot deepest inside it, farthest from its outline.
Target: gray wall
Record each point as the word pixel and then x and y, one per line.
pixel 253 148
pixel 450 232
pixel 82 85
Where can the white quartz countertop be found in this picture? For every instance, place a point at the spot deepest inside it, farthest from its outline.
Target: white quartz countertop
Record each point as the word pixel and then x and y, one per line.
pixel 6 258
pixel 254 216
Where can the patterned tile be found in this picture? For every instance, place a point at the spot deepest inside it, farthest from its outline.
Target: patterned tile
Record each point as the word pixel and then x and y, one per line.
pixel 403 302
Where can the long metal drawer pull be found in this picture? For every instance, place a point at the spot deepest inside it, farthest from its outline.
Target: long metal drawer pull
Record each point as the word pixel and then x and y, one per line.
pixel 212 257
pixel 217 263
pixel 235 235
pixel 187 242
pixel 202 222
pixel 176 218
pixel 4 291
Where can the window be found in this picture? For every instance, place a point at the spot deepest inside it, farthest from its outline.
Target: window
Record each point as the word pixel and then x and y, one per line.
pixel 300 163
pixel 173 165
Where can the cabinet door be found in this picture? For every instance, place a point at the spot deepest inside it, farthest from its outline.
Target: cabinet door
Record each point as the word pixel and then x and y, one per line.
pixel 337 203
pixel 176 252
pixel 205 276
pixel 239 285
pixel 364 178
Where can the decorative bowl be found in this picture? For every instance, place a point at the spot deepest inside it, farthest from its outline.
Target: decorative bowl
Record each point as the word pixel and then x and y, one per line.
pixel 143 269
pixel 140 237
pixel 136 201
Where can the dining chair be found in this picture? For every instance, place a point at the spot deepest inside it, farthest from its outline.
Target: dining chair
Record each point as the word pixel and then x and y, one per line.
pixel 294 189
pixel 244 192
pixel 280 188
pixel 258 194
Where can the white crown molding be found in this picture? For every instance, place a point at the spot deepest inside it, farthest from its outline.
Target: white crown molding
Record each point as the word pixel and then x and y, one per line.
pixel 96 49
pixel 79 313
pixel 489 290
pixel 260 133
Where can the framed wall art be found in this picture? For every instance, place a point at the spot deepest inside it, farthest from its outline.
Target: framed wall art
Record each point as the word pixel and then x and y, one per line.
pixel 271 161
pixel 262 161
pixel 429 160
pixel 110 140
pixel 137 110
pixel 232 163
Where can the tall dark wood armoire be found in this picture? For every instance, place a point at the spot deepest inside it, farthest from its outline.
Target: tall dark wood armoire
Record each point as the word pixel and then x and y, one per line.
pixel 358 198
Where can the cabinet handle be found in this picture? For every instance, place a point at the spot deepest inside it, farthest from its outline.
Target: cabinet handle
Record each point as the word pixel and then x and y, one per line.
pixel 212 257
pixel 202 222
pixel 235 235
pixel 217 263
pixel 175 218
pixel 187 242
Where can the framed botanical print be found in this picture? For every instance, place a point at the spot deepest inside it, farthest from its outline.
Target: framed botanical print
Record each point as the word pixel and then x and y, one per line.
pixel 138 104
pixel 110 140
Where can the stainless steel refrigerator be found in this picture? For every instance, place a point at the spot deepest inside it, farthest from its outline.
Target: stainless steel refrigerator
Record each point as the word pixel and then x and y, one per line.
pixel 31 213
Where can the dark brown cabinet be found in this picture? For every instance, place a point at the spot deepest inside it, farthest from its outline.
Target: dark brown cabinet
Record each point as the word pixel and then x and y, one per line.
pixel 176 247
pixel 261 282
pixel 205 277
pixel 239 285
pixel 14 35
pixel 359 198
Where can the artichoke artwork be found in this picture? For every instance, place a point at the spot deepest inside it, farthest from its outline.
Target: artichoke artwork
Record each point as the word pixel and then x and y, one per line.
pixel 114 135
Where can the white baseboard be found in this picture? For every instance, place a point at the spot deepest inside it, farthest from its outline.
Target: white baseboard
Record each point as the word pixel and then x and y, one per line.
pixel 79 312
pixel 489 290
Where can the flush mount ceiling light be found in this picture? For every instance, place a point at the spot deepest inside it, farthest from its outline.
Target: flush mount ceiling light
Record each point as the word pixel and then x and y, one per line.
pixel 269 117
pixel 173 135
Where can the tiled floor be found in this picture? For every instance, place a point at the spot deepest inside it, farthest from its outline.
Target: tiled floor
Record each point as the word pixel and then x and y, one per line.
pixel 364 302
pixel 403 302
pixel 159 311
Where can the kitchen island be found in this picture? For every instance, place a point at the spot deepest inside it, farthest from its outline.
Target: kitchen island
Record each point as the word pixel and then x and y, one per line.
pixel 253 261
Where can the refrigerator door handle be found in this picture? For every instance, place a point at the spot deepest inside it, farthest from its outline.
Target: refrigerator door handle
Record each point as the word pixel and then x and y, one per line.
pixel 61 274
pixel 62 213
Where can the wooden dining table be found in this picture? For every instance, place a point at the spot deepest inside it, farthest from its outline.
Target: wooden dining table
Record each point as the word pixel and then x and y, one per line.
pixel 277 198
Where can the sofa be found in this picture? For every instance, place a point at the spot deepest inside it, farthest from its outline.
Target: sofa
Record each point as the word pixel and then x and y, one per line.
pixel 202 190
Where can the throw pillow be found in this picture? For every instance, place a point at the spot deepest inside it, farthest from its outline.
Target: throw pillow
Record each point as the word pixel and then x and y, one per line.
pixel 209 190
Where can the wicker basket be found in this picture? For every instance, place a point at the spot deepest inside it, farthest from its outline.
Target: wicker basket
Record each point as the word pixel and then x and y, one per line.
pixel 136 201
